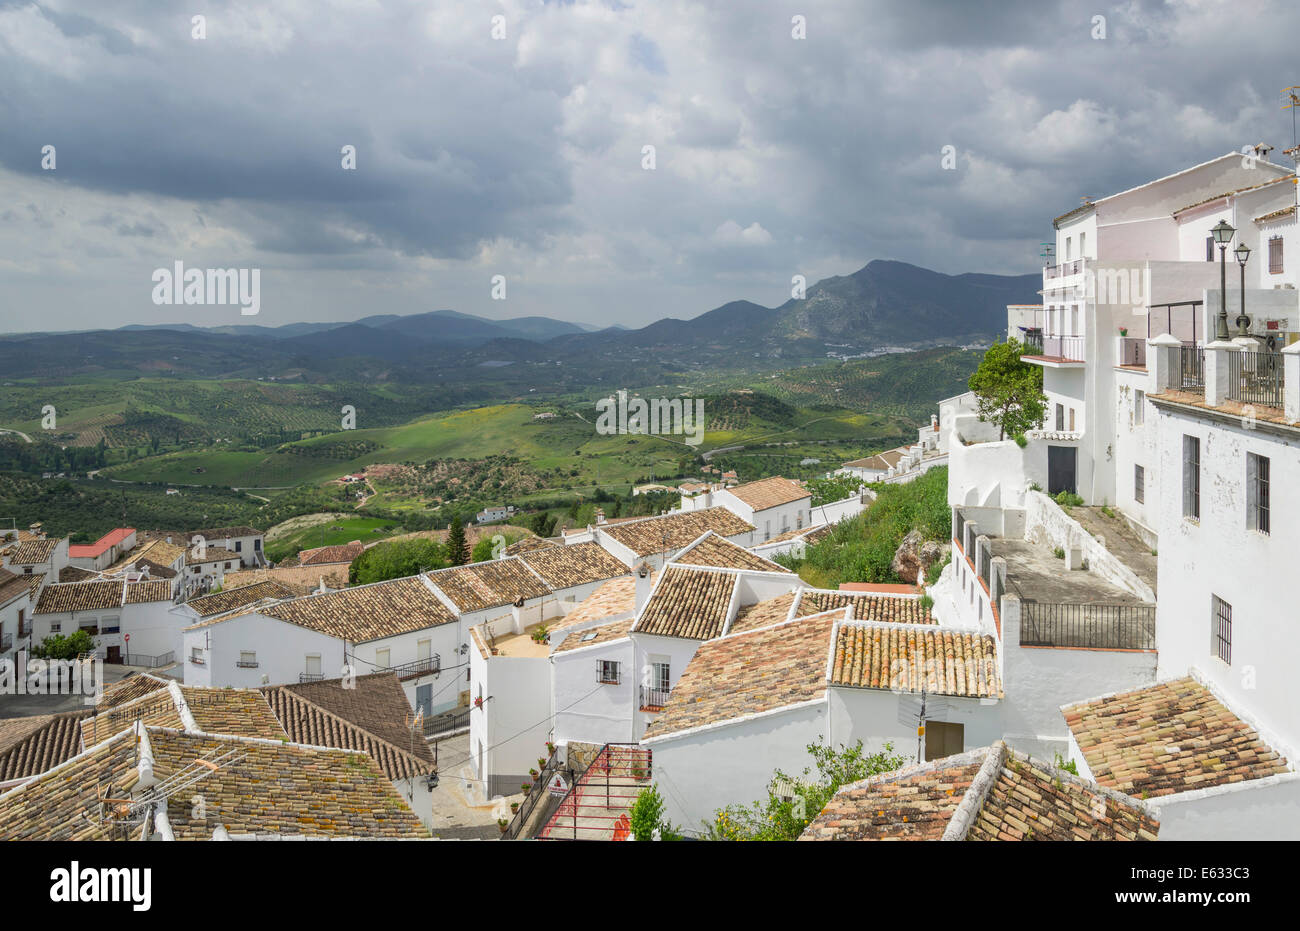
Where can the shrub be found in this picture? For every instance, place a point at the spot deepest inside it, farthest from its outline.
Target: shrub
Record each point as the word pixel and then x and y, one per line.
pixel 1021 440
pixel 1059 553
pixel 647 816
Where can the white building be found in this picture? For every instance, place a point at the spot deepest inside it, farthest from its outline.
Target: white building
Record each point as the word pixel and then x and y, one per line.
pixel 130 621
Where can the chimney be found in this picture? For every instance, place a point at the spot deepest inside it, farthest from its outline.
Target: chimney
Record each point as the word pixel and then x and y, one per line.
pixel 934 422
pixel 643 585
pixel 708 496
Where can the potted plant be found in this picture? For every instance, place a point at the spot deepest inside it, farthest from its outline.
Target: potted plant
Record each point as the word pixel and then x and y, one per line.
pixel 503 824
pixel 1123 331
pixel 541 762
pixel 550 748
pixel 526 787
pixel 534 773
pixel 514 808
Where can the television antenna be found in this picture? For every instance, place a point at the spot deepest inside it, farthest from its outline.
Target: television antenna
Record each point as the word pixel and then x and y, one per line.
pixel 1291 101
pixel 123 814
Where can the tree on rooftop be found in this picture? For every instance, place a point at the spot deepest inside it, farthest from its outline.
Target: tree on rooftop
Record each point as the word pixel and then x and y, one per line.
pixel 1009 392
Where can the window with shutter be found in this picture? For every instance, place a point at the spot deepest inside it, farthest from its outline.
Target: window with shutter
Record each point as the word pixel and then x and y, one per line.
pixel 1275 256
pixel 1192 477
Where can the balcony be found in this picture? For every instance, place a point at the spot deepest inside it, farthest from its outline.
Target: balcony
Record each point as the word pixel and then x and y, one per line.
pixel 430 665
pixel 1192 368
pixel 24 630
pixel 1133 352
pixel 6 642
pixel 1063 270
pixel 1088 626
pixel 653 699
pixel 1256 378
pixel 1055 350
pixel 247 664
pixel 310 677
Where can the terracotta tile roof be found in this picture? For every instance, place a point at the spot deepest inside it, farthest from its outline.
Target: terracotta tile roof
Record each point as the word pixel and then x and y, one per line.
pixel 713 550
pixel 1172 737
pixel 1276 215
pixel 32 745
pixel 102 545
pixel 33 552
pixel 793 535
pixel 301 580
pixel 152 590
pixel 575 564
pixel 528 544
pixel 324 555
pixel 881 462
pixel 617 596
pixel 129 689
pixel 866 606
pixel 241 712
pixel 156 551
pixel 282 789
pixel 63 803
pixel 750 673
pixel 79 596
pixel 13 586
pixel 34 583
pixel 690 603
pixel 210 554
pixel 762 614
pixel 210 533
pixel 1240 190
pixel 372 715
pixel 482 585
pixel 367 612
pixel 770 492
pixel 229 599
pixel 674 531
pixel 590 636
pixel 76 574
pixel 988 794
pixel 910 657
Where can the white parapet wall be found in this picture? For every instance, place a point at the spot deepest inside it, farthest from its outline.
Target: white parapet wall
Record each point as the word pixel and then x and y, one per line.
pixel 1047 523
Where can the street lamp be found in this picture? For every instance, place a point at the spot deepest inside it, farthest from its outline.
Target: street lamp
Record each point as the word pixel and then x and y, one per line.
pixel 1242 252
pixel 1222 234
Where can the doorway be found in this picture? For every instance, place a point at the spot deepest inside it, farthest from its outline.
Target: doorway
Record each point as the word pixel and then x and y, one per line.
pixel 1061 464
pixel 114 655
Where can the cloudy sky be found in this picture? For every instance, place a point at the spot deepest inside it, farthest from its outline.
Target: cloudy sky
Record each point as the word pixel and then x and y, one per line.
pixel 522 154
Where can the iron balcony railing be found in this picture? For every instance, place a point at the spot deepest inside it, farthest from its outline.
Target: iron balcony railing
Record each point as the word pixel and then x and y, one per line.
pixel 1063 270
pixel 598 801
pixel 1192 368
pixel 310 677
pixel 535 795
pixel 247 664
pixel 25 630
pixel 1133 351
pixel 419 667
pixel 150 661
pixel 653 699
pixel 1088 626
pixel 1069 348
pixel 447 722
pixel 6 641
pixel 1256 378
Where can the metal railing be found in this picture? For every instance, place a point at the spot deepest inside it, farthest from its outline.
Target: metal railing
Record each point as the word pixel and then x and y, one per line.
pixel 534 797
pixel 1256 378
pixel 1088 626
pixel 1178 319
pixel 1133 351
pixel 148 661
pixel 6 641
pixel 598 801
pixel 419 667
pixel 447 722
pixel 1063 347
pixel 247 664
pixel 25 630
pixel 653 699
pixel 1191 368
pixel 1063 270
pixel 310 677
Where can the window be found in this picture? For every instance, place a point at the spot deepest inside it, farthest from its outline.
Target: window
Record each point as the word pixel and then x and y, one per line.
pixel 1222 621
pixel 239 546
pixel 247 659
pixel 382 657
pixel 659 676
pixel 1139 407
pixel 1060 417
pixel 313 664
pixel 1275 255
pixel 196 656
pixel 1072 420
pixel 227 565
pixel 1191 477
pixel 1209 248
pixel 1257 509
pixel 1069 248
pixel 607 672
pixel 257 544
pixel 90 625
pixel 110 625
pixel 423 649
pixel 943 739
pixel 767 530
pixel 1139 484
pixel 55 627
pixel 27 570
pixel 198 569
pixel 1083 241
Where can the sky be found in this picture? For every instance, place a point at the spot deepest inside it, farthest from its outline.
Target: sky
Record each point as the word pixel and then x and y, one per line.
pixel 501 160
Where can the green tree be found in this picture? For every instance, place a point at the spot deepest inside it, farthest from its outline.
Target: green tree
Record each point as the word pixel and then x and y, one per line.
pixel 1009 392
pixel 647 816
pixel 57 646
pixel 792 802
pixel 396 560
pixel 457 546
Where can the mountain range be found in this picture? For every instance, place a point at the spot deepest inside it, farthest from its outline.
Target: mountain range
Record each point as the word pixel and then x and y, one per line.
pixel 885 303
